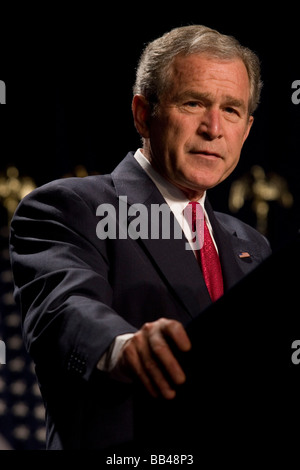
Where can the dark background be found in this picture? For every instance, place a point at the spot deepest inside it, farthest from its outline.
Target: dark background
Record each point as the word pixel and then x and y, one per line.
pixel 69 74
pixel 84 62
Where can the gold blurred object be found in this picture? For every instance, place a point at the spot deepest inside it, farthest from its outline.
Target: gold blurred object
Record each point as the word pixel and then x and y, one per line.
pixel 260 189
pixel 13 188
pixel 80 171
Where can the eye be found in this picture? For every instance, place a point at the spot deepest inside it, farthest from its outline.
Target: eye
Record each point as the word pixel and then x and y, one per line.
pixel 192 104
pixel 232 114
pixel 230 110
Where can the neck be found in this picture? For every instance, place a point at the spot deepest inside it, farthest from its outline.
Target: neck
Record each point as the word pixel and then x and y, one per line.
pixel 190 193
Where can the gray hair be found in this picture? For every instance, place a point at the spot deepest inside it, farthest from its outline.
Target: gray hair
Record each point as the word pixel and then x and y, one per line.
pixel 154 71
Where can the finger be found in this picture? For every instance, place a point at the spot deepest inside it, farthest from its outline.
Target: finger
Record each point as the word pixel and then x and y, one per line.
pixel 175 330
pixel 131 360
pixel 146 367
pixel 161 348
pixel 162 351
pixel 153 371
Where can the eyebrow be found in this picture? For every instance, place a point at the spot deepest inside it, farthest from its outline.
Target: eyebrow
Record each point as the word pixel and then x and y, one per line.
pixel 207 98
pixel 230 100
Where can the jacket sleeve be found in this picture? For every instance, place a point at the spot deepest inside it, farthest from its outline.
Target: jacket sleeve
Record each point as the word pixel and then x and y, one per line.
pixel 61 274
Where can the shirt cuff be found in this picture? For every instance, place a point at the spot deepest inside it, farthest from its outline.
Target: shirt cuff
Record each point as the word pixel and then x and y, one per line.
pixel 109 359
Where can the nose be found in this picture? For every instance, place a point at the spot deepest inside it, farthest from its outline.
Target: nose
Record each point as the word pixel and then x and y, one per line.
pixel 210 125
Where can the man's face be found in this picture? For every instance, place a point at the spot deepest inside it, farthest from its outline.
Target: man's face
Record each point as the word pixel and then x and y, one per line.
pixel 195 138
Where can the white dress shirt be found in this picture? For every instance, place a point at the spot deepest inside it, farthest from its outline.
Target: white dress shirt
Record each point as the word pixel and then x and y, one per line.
pixel 174 197
pixel 177 201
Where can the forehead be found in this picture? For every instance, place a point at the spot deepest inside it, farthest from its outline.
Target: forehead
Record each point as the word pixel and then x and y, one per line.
pixel 205 73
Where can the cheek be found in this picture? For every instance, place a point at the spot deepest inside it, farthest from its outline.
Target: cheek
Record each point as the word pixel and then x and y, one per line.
pixel 234 144
pixel 178 126
pixel 173 141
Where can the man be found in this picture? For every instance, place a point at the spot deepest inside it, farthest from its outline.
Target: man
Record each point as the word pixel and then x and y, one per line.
pixel 100 312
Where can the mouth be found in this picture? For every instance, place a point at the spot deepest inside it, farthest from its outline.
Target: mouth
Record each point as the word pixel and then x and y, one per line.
pixel 205 153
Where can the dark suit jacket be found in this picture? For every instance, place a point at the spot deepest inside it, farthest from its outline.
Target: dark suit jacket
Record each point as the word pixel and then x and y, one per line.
pixel 77 293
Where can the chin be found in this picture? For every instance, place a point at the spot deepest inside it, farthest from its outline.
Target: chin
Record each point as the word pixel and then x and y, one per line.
pixel 203 183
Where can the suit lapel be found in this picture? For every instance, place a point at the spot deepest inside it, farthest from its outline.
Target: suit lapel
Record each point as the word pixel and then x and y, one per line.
pixel 177 266
pixel 230 247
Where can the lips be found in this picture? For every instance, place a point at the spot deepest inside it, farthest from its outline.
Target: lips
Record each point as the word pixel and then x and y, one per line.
pixel 207 153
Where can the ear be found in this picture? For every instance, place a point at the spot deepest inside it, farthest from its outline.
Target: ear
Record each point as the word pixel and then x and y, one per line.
pixel 141 115
pixel 248 127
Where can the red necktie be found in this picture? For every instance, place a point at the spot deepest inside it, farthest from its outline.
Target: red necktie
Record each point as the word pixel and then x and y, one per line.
pixel 207 255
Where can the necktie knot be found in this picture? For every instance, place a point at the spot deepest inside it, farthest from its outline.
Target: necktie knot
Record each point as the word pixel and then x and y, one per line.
pixel 195 217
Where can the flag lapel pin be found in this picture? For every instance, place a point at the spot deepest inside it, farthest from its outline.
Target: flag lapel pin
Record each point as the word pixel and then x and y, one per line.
pixel 244 254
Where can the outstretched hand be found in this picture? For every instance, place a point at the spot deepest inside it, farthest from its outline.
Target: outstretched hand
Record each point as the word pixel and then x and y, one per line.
pixel 148 356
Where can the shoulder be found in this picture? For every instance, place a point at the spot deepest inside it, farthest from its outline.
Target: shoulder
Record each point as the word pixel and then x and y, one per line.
pixel 69 192
pixel 88 185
